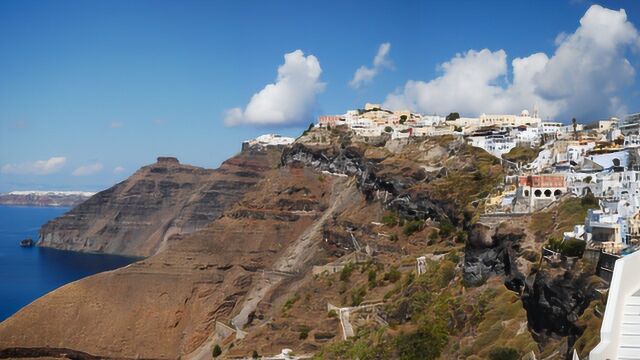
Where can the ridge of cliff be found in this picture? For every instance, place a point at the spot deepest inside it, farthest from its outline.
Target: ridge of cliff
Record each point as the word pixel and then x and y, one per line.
pixel 322 246
pixel 137 216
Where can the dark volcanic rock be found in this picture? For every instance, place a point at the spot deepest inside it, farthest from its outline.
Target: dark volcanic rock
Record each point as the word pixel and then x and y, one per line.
pixel 351 161
pixel 491 253
pixel 555 302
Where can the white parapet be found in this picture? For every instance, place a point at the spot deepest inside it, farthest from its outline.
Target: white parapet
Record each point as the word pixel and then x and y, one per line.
pixel 620 331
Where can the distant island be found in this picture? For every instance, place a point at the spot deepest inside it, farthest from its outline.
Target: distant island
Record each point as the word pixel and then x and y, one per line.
pixel 44 198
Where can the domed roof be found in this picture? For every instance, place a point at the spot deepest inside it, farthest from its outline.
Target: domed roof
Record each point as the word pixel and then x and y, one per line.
pixel 524 112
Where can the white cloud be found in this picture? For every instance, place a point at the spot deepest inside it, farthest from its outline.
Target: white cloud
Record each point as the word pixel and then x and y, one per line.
pixel 118 169
pixel 290 100
pixel 584 77
pixel 364 75
pixel 39 167
pixel 87 169
pixel 115 124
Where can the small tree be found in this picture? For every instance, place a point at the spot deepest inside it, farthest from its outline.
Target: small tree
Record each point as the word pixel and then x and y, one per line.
pixel 304 332
pixel 255 355
pixel 453 116
pixel 504 353
pixel 403 119
pixel 216 351
pixel 388 129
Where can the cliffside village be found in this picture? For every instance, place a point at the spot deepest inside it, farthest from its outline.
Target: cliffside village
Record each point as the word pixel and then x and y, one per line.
pixel 602 159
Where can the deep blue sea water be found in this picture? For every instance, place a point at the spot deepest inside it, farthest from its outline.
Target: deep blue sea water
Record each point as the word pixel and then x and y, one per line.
pixel 28 273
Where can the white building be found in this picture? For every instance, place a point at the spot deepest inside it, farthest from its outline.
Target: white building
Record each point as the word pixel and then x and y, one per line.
pixel 607 125
pixel 269 140
pixel 430 120
pixel 526 135
pixel 552 127
pixel 632 141
pixel 604 227
pixel 495 144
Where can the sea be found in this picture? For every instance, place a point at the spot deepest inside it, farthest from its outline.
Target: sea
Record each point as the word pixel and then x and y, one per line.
pixel 28 273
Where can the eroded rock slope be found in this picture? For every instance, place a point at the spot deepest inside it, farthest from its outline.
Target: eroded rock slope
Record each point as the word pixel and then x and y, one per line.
pixel 138 215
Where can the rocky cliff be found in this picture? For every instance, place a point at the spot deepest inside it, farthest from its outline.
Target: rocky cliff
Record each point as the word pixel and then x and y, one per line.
pixel 137 216
pixel 339 223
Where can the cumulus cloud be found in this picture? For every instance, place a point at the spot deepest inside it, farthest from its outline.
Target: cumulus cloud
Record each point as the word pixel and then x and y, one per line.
pixel 39 167
pixel 290 100
pixel 85 170
pixel 364 75
pixel 585 76
pixel 118 169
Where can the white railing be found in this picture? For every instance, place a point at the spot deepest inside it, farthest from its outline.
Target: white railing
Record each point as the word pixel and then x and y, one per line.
pixel 620 331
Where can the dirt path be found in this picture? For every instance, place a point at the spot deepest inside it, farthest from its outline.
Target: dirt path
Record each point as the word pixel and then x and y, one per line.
pixel 289 264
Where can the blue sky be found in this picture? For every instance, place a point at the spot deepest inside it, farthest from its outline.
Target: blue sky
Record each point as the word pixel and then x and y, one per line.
pixel 110 85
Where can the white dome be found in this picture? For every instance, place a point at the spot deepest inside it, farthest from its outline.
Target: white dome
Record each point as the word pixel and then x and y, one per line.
pixel 524 112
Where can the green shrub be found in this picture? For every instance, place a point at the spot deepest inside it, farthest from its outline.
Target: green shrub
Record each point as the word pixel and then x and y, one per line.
pixel 390 219
pixel 292 300
pixel 371 278
pixel 425 344
pixel 446 228
pixel 504 353
pixel 569 247
pixel 332 314
pixel 304 332
pixel 446 274
pixel 216 351
pixel 345 274
pixel 453 256
pixel 392 275
pixel 358 296
pixel 573 247
pixel 254 355
pixel 521 154
pixel 393 237
pixel 412 227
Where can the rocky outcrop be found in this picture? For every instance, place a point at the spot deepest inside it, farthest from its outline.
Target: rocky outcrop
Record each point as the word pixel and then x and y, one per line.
pixel 374 179
pixel 137 216
pixel 554 300
pixel 493 252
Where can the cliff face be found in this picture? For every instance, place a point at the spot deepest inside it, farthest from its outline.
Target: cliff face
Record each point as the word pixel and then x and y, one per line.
pixel 168 304
pixel 137 216
pixel 329 203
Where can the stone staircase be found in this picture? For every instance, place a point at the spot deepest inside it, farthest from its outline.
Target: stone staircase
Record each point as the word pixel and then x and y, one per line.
pixel 629 347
